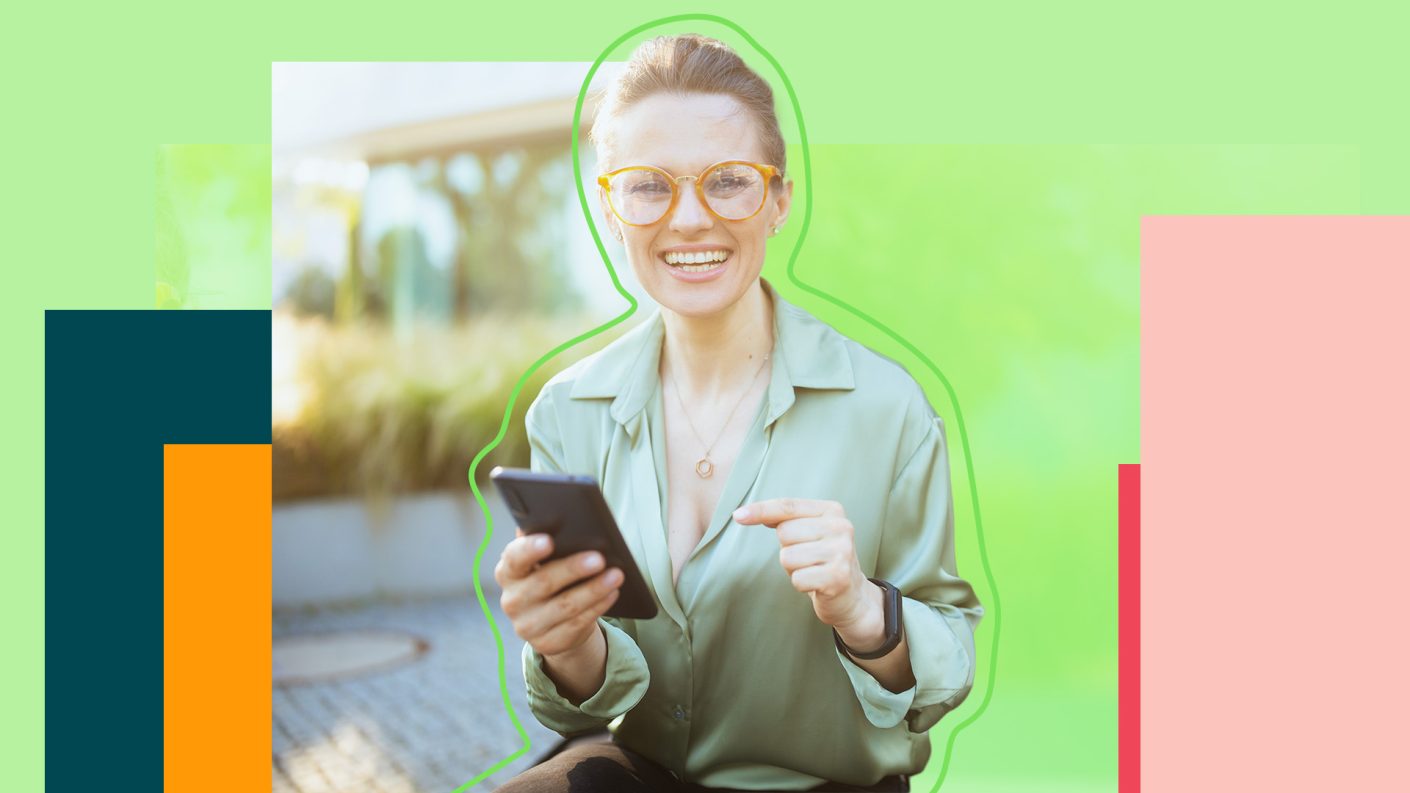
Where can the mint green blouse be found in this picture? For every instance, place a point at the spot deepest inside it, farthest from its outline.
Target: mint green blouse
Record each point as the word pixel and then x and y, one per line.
pixel 735 682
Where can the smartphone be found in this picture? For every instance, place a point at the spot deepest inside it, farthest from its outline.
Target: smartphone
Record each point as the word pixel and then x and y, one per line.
pixel 572 510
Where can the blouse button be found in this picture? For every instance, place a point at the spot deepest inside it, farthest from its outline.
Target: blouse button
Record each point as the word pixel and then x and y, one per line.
pixel 679 713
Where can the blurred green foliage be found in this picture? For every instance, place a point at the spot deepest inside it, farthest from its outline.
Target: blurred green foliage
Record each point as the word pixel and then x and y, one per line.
pixel 377 415
pixel 406 350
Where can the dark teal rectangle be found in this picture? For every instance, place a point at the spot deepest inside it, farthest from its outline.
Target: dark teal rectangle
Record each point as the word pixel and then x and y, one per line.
pixel 119 385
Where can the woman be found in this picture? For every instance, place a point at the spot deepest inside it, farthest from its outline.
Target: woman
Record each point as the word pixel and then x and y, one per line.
pixel 785 490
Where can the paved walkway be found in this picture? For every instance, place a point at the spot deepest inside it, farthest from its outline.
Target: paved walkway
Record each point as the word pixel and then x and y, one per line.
pixel 425 727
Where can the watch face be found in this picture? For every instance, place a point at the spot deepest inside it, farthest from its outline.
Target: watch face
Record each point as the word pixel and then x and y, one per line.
pixel 893 608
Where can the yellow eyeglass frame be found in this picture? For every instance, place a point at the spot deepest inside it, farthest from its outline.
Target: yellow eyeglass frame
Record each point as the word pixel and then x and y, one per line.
pixel 769 172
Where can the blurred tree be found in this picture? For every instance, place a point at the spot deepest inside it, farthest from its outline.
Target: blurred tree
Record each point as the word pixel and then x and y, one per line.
pixel 413 287
pixel 505 212
pixel 311 293
pixel 350 298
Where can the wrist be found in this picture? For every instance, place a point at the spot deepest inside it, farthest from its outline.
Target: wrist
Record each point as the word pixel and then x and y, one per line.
pixel 579 672
pixel 575 655
pixel 867 631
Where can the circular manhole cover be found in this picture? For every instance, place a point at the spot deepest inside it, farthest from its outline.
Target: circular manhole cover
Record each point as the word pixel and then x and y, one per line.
pixel 319 657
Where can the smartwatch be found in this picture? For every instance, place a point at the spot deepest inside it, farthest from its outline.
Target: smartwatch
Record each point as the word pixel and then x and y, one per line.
pixel 891 597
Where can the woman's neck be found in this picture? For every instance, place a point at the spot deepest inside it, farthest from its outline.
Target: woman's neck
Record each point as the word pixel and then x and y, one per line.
pixel 710 356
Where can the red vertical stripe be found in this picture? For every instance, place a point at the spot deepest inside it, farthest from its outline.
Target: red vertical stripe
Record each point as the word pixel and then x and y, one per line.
pixel 1128 608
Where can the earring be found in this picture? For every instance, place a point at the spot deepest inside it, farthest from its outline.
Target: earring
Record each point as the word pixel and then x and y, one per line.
pixel 775 231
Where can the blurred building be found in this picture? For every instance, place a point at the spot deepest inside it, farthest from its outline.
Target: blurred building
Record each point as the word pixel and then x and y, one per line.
pixel 433 191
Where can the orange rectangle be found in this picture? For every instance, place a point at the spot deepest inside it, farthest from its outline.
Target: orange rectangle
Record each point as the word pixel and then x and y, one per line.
pixel 217 617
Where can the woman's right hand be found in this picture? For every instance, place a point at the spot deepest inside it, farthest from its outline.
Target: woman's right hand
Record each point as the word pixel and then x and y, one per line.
pixel 555 625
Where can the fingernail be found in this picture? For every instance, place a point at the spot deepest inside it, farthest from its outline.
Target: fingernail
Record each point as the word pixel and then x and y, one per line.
pixel 540 543
pixel 592 562
pixel 742 513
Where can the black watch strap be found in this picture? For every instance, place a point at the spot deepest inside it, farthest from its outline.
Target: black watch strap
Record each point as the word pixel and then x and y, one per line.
pixel 891 596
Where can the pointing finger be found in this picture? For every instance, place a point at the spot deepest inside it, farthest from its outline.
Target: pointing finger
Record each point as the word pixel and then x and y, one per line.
pixel 776 510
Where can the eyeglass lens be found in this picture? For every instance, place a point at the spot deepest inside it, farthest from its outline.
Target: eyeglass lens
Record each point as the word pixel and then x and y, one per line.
pixel 733 192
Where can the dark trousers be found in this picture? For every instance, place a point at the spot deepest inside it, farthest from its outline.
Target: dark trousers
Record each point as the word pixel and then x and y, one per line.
pixel 609 767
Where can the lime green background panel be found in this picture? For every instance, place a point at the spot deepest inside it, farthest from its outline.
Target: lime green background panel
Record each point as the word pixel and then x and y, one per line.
pixel 91 93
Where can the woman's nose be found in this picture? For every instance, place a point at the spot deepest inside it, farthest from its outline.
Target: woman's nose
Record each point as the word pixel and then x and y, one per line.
pixel 689 214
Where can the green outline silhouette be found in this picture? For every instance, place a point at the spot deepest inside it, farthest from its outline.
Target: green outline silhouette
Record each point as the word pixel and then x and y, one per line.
pixel 992 607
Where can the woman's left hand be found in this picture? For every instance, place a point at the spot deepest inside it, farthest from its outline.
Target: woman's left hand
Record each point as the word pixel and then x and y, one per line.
pixel 818 553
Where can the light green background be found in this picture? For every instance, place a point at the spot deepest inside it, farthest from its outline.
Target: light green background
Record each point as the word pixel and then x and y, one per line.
pixel 1037 333
pixel 1019 278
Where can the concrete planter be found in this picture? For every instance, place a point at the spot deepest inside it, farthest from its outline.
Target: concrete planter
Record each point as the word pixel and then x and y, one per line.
pixel 331 551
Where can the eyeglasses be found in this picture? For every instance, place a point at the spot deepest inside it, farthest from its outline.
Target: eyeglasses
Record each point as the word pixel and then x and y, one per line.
pixel 732 190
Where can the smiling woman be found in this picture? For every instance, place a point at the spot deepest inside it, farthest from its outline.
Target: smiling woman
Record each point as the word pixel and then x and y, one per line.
pixel 785 490
pixel 711 141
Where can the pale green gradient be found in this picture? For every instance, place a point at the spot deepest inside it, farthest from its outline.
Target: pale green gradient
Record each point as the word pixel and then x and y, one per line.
pixel 1016 269
pixel 213 226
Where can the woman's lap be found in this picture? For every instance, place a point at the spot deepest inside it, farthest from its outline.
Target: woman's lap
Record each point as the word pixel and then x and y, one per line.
pixel 593 768
pixel 606 767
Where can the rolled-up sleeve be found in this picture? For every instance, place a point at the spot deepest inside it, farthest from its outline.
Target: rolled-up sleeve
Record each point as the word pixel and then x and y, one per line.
pixel 627 675
pixel 625 684
pixel 939 610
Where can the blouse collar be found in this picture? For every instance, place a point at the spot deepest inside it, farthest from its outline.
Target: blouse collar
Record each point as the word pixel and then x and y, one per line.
pixel 808 354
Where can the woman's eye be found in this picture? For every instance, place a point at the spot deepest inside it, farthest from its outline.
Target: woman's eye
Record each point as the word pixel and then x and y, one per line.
pixel 649 189
pixel 729 184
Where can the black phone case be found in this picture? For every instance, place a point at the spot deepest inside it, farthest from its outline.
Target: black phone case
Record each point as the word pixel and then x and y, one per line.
pixel 572 510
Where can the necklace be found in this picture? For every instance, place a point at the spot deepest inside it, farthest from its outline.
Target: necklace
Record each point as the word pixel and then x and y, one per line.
pixel 704 467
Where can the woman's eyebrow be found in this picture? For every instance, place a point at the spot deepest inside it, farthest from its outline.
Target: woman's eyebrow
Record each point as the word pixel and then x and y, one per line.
pixel 682 171
pixel 696 171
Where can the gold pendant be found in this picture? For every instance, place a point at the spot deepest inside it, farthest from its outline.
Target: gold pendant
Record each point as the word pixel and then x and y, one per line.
pixel 703 468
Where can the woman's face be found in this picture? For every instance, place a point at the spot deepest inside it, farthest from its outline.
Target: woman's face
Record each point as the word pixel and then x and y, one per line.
pixel 683 135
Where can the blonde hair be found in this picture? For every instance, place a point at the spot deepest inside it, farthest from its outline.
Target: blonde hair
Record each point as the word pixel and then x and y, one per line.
pixel 690 63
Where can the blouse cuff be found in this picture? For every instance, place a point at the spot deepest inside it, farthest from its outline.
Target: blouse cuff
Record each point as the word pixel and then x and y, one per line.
pixel 940 663
pixel 625 684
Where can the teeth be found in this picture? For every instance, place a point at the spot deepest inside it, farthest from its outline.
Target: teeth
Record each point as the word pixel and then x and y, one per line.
pixel 697 268
pixel 702 257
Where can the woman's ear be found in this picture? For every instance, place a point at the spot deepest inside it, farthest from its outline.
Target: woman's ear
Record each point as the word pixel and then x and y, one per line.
pixel 783 202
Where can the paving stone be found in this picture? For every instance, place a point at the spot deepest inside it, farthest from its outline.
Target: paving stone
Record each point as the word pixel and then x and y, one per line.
pixel 427 726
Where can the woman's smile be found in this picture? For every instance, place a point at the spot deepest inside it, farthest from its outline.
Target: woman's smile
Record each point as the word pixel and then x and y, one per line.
pixel 696 263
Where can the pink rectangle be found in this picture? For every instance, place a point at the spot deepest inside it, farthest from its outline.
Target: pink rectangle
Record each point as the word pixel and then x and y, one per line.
pixel 1275 537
